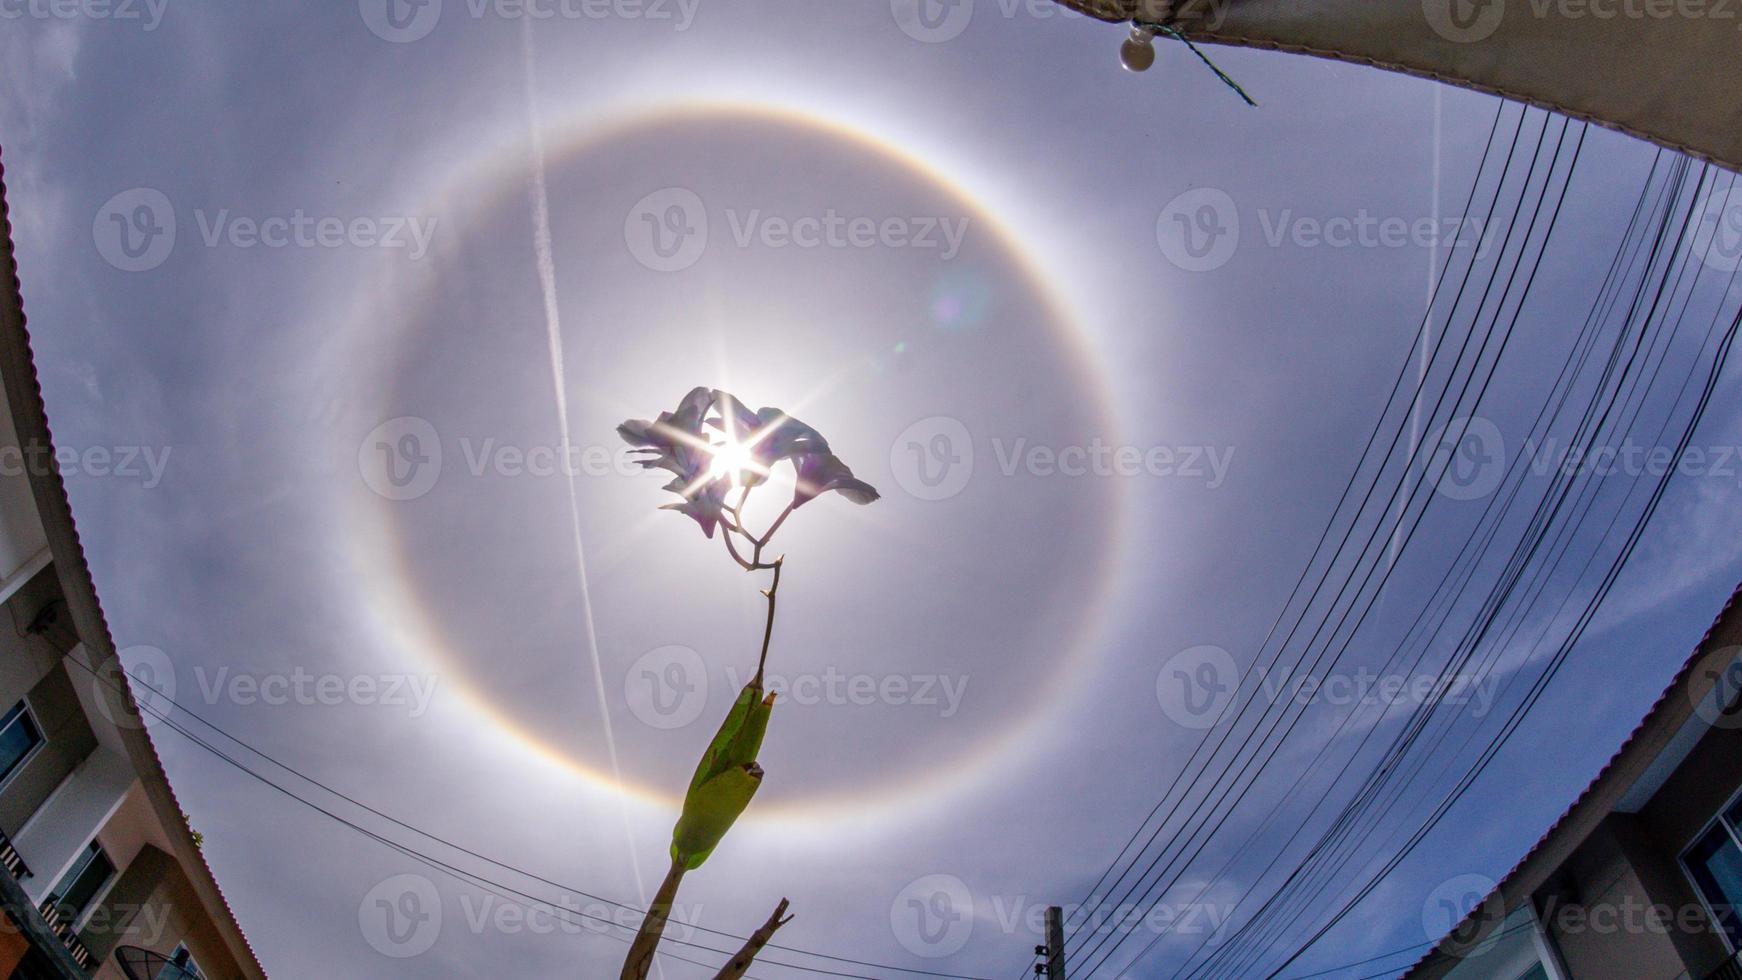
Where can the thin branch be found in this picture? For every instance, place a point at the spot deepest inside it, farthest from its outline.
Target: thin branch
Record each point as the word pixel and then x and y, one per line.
pixel 776 525
pixel 736 526
pixel 740 963
pixel 768 630
pixel 732 549
pixel 755 564
pixel 652 926
pixel 756 543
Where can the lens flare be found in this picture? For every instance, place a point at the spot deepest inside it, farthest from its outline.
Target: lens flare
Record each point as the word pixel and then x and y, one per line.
pixel 734 459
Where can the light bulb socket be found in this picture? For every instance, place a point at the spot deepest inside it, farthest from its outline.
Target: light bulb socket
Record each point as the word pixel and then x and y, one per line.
pixel 1138 51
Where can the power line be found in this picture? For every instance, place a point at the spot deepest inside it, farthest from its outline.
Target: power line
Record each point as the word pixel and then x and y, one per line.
pixel 1521 927
pixel 1474 544
pixel 1412 735
pixel 1468 548
pixel 1223 951
pixel 1261 731
pixel 1584 510
pixel 1318 548
pixel 1615 387
pixel 1583 621
pixel 165 718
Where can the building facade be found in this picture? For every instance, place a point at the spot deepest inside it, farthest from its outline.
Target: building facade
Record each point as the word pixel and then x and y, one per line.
pixel 1641 879
pixel 100 875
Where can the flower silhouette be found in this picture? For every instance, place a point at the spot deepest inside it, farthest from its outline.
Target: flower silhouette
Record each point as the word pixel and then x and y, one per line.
pixel 714 444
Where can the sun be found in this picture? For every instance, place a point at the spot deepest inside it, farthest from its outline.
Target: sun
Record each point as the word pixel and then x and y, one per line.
pixel 731 458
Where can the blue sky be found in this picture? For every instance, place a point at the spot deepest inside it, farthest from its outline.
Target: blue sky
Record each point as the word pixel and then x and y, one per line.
pixel 964 232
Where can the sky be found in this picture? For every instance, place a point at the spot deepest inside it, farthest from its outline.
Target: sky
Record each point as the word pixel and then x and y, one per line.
pixel 319 296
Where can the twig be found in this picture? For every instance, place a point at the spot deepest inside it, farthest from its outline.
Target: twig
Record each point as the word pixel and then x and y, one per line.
pixel 732 550
pixel 776 525
pixel 736 525
pixel 768 630
pixel 652 926
pixel 736 967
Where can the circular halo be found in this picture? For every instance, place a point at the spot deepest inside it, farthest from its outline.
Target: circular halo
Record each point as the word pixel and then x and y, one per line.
pixel 400 621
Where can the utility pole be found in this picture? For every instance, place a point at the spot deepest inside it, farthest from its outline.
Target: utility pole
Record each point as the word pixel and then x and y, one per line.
pixel 1055 943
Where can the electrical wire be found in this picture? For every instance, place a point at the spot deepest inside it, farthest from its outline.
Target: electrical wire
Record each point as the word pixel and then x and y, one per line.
pixel 1261 731
pixel 165 718
pixel 1582 622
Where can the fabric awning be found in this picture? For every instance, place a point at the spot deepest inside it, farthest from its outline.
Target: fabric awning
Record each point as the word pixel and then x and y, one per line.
pixel 1663 70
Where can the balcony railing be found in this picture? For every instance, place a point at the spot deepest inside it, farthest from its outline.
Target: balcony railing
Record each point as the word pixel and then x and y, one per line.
pixel 10 860
pixel 62 927
pixel 1730 970
pixel 52 918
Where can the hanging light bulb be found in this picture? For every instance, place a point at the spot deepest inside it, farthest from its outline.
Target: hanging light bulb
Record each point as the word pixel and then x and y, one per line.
pixel 1138 51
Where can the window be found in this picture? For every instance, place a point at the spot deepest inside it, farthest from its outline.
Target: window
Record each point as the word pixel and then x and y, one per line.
pixel 181 966
pixel 1714 862
pixel 19 737
pixel 1534 973
pixel 80 885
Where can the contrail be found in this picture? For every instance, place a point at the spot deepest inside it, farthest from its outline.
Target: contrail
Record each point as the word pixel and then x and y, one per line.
pixel 554 334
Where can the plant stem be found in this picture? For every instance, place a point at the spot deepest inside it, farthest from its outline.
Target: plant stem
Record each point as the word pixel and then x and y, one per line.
pixel 732 550
pixel 755 562
pixel 776 525
pixel 740 963
pixel 768 630
pixel 641 951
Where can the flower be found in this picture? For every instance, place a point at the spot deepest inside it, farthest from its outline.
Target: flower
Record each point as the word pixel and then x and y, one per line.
pixel 778 436
pixel 818 473
pixel 685 443
pixel 676 441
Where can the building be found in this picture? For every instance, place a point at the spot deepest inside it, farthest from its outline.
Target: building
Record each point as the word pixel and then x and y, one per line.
pixel 1641 879
pixel 100 875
